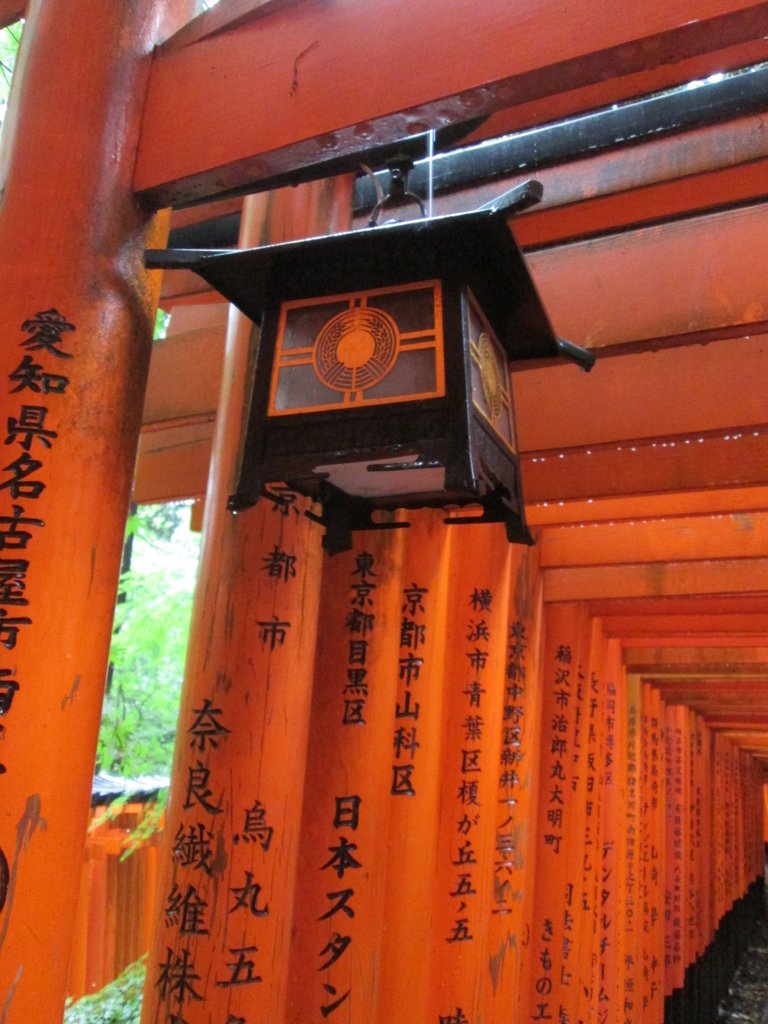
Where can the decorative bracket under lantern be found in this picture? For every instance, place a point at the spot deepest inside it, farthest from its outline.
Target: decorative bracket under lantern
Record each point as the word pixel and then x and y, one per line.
pixel 382 376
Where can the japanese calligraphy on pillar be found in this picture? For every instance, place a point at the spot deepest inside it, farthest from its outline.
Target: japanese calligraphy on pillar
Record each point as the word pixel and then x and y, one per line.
pixel 341 869
pixel 607 886
pixel 632 994
pixel 186 907
pixel 592 854
pixel 468 768
pixel 675 796
pixel 651 873
pixel 360 623
pixel 556 754
pixel 509 827
pixel 38 387
pixel 413 639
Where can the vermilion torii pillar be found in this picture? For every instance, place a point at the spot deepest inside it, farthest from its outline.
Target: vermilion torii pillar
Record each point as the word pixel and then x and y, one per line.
pixel 76 313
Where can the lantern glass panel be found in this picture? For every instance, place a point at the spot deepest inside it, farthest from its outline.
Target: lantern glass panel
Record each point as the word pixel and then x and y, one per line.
pixel 358 349
pixel 490 377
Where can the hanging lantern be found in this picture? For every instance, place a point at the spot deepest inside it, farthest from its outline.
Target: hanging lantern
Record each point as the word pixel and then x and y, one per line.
pixel 382 370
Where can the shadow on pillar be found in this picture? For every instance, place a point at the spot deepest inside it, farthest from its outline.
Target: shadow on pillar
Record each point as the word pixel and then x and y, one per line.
pixel 708 977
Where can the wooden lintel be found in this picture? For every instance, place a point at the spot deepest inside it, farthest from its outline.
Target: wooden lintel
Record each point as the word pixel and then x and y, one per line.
pixel 642 204
pixel 734 576
pixel 669 641
pixel 267 98
pixel 674 505
pixel 694 604
pixel 172 464
pixel 562 105
pixel 224 17
pixel 714 660
pixel 635 468
pixel 698 627
pixel 678 282
pixel 667 396
pixel 678 540
pixel 11 11
pixel 656 180
pixel 177 389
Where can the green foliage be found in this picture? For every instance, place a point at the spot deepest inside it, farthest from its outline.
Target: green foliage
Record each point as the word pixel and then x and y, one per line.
pixel 149 643
pixel 117 1003
pixel 162 319
pixel 9 45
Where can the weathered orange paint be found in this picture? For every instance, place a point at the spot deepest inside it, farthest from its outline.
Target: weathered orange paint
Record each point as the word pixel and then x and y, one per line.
pixel 473 677
pixel 228 141
pixel 413 820
pixel 509 932
pixel 560 815
pixel 76 249
pixel 251 776
pixel 347 789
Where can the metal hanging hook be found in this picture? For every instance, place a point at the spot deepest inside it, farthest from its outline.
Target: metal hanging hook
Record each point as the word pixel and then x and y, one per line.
pixel 399 168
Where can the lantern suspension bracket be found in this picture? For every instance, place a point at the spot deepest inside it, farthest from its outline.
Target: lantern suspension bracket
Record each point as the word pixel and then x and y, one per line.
pixel 399 168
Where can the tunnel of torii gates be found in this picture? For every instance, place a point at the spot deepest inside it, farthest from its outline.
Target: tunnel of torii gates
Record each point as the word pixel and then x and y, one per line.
pixel 550 805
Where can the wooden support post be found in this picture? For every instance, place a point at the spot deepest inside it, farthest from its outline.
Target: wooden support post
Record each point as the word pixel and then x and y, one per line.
pixel 610 934
pixel 230 851
pixel 76 320
pixel 553 991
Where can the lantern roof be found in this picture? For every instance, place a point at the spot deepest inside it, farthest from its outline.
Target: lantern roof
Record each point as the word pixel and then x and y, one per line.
pixel 476 249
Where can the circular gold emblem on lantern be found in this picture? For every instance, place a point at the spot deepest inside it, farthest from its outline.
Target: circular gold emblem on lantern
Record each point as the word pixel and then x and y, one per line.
pixel 356 349
pixel 490 377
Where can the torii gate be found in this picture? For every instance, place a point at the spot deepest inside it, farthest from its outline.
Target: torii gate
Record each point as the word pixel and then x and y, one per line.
pixel 260 916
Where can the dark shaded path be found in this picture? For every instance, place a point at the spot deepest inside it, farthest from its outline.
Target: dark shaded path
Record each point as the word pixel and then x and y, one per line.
pixel 747 1000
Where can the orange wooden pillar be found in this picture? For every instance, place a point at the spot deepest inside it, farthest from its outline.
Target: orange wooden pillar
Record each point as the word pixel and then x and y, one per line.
pixel 609 901
pixel 228 865
pixel 509 935
pixel 675 853
pixel 631 977
pixel 464 884
pixel 412 771
pixel 76 318
pixel 651 874
pixel 553 989
pixel 340 887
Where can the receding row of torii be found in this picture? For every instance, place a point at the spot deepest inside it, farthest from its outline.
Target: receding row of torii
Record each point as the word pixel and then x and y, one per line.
pixel 99 135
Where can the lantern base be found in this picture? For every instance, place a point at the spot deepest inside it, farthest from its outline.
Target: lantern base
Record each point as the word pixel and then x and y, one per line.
pixel 342 514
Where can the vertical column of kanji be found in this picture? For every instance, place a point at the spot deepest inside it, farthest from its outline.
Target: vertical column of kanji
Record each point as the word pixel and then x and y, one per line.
pixel 721 826
pixel 609 902
pixel 692 865
pixel 722 761
pixel 689 894
pixel 632 995
pixel 576 950
pixel 552 988
pixel 339 897
pixel 229 857
pixel 411 766
pixel 653 855
pixel 740 767
pixel 644 866
pixel 76 314
pixel 698 851
pixel 514 861
pixel 473 680
pixel 758 848
pixel 674 854
pixel 586 942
